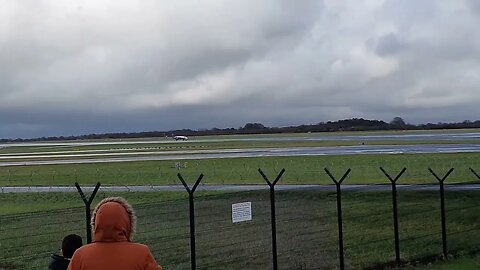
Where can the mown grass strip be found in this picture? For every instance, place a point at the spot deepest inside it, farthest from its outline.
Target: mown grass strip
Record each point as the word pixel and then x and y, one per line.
pixel 299 170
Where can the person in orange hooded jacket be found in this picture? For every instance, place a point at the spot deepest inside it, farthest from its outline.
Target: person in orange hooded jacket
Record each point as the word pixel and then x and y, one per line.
pixel 113 225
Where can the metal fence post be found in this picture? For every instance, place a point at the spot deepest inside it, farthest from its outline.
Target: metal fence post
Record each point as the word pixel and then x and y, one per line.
pixel 272 212
pixel 442 208
pixel 395 211
pixel 192 216
pixel 339 213
pixel 88 211
pixel 474 173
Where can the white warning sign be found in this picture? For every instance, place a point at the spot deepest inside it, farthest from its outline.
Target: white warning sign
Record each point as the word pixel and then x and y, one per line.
pixel 241 212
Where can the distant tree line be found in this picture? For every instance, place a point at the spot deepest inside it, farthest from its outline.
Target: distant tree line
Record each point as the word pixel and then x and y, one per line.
pixel 354 124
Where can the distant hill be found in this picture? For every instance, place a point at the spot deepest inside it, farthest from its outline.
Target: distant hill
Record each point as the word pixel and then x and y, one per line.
pixel 354 124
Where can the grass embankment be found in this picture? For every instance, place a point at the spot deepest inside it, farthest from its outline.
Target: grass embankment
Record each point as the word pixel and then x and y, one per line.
pixel 306 229
pixel 299 170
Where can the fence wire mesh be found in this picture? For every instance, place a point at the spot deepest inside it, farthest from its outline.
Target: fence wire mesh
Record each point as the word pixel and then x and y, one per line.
pixel 33 224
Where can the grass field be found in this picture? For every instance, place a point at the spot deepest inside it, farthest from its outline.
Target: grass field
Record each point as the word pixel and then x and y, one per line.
pixel 20 203
pixel 299 170
pixel 306 228
pixel 468 263
pixel 33 224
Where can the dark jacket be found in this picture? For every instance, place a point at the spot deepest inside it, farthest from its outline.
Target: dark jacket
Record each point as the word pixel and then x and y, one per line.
pixel 58 262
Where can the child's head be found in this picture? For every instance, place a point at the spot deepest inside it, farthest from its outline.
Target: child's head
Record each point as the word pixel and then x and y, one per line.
pixel 71 243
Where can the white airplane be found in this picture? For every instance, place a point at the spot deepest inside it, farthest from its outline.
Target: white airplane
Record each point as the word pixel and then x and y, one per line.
pixel 180 138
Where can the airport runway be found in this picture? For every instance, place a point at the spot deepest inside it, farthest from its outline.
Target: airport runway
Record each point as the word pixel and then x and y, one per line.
pixel 312 137
pixel 258 152
pixel 399 137
pixel 233 188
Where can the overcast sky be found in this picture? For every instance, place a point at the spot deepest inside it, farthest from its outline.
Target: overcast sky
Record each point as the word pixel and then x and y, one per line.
pixel 79 67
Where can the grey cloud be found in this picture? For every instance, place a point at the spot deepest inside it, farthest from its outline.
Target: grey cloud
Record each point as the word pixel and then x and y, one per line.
pixel 389 44
pixel 107 66
pixel 409 13
pixel 473 5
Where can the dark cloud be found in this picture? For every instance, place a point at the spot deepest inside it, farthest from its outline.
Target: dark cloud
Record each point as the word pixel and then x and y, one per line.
pixel 110 66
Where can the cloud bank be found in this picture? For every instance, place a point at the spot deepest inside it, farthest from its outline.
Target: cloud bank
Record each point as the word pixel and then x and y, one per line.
pixel 76 67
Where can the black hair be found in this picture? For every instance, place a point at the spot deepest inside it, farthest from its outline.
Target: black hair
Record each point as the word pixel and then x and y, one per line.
pixel 71 243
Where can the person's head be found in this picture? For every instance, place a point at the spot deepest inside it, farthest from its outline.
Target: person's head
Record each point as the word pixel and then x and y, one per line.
pixel 71 243
pixel 113 220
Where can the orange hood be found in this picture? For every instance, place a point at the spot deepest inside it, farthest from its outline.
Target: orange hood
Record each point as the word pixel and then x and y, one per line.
pixel 113 221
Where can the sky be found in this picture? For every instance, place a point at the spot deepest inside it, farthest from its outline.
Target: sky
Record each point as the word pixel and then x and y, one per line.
pixel 80 67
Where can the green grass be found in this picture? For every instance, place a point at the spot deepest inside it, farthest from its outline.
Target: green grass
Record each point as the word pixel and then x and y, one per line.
pixel 306 228
pixel 299 170
pixel 33 224
pixel 17 203
pixel 469 263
